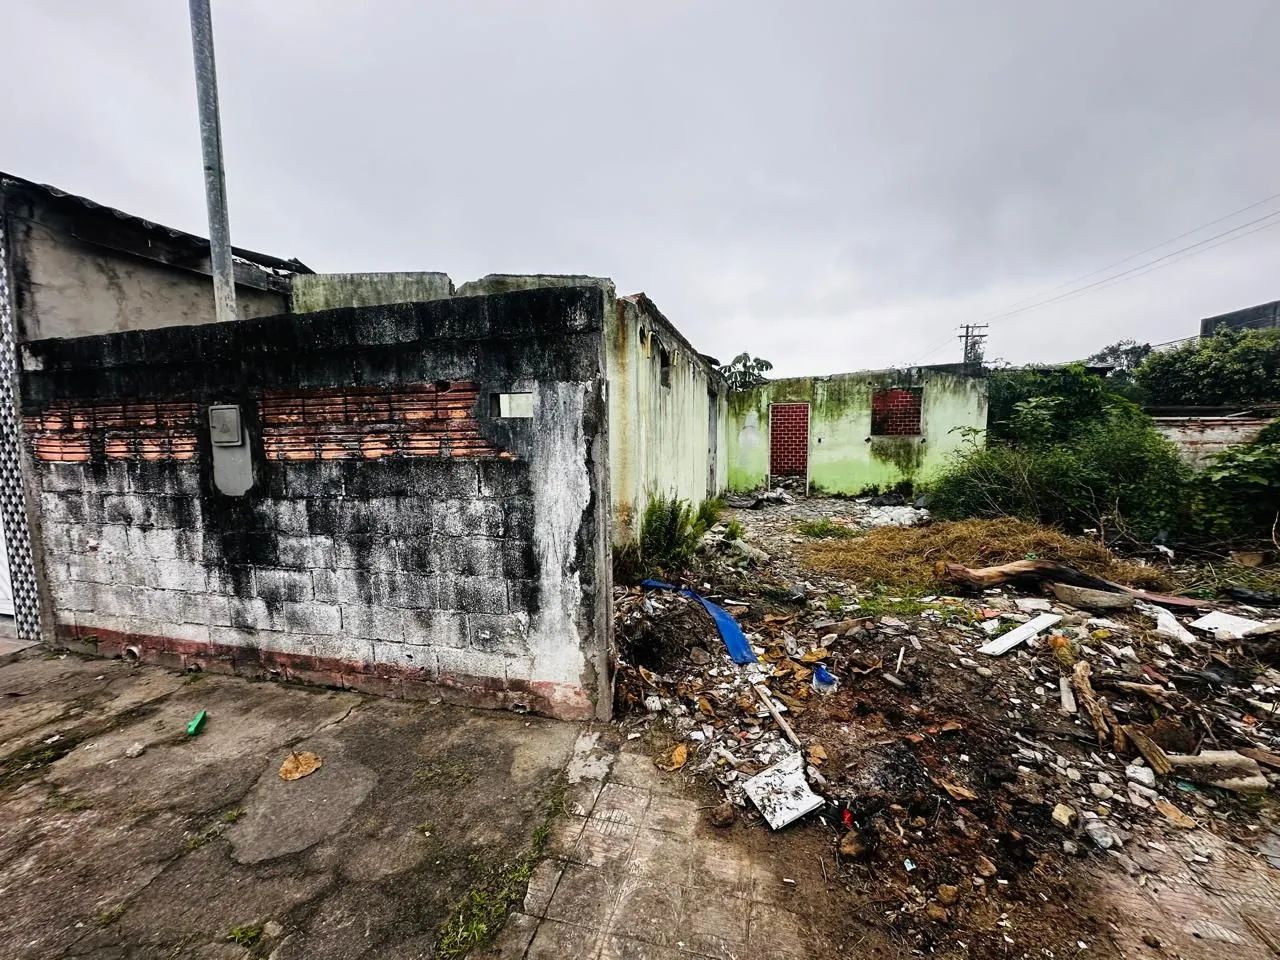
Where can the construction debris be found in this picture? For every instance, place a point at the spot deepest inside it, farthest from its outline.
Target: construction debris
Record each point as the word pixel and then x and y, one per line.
pixel 1226 626
pixel 1018 635
pixel 1224 769
pixel 781 792
pixel 1089 725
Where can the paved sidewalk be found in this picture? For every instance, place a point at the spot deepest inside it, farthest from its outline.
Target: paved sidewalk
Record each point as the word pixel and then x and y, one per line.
pixel 637 873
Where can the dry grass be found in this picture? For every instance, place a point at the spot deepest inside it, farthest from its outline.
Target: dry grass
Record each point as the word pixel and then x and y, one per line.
pixel 903 558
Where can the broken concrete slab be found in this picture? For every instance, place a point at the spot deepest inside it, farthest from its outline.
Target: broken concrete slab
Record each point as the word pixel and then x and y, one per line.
pixel 1225 769
pixel 1087 599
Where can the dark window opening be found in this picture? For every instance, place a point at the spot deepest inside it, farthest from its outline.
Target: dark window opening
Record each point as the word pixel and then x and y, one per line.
pixel 896 412
pixel 511 405
pixel 664 367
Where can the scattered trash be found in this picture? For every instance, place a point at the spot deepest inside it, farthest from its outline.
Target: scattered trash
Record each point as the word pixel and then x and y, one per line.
pixel 135 750
pixel 823 681
pixel 730 632
pixel 197 723
pixel 1167 624
pixel 298 765
pixel 928 754
pixel 781 793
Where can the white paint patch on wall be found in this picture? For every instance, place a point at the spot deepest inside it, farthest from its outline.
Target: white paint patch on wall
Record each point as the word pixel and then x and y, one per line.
pixel 561 495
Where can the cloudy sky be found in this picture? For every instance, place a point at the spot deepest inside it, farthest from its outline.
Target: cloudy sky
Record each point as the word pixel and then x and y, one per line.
pixel 832 185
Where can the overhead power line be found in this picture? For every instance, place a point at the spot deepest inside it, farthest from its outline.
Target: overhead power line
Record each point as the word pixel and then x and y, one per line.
pixel 1160 266
pixel 1202 246
pixel 1140 267
pixel 1134 256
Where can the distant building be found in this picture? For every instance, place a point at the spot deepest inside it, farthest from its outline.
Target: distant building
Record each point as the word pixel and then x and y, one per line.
pixel 1265 316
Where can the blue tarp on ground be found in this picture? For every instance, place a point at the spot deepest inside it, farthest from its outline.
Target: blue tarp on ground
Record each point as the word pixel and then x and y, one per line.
pixel 734 639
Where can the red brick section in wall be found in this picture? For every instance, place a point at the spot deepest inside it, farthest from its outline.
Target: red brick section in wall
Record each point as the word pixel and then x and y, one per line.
pixel 417 420
pixel 789 439
pixel 414 420
pixel 896 412
pixel 145 430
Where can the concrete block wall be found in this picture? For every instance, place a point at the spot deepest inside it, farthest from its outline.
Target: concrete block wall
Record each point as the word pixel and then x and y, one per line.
pixel 398 538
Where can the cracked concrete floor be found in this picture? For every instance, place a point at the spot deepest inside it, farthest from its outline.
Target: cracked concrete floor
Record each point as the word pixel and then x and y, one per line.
pixel 166 853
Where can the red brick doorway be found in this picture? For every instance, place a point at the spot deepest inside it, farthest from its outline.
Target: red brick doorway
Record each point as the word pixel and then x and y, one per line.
pixel 789 439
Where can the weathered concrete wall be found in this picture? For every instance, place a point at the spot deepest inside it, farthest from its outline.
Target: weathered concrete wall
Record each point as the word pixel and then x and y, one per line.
pixel 1199 438
pixel 660 436
pixel 65 286
pixel 328 291
pixel 664 437
pixel 398 537
pixel 844 456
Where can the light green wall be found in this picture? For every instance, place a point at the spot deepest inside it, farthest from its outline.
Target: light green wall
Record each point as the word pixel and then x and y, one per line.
pixel 843 456
pixel 659 436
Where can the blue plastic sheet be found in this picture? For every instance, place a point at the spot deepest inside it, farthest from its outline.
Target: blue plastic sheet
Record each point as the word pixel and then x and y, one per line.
pixel 735 640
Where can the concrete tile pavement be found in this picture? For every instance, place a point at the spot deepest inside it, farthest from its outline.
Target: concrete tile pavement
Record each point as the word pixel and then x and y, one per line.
pixel 635 873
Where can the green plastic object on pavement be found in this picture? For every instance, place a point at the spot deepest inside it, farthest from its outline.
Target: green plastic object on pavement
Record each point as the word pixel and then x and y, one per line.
pixel 197 723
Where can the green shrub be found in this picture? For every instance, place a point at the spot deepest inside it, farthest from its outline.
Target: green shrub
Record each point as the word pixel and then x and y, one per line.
pixel 669 533
pixel 1045 404
pixel 1232 366
pixel 1117 475
pixel 734 531
pixel 1237 495
pixel 709 513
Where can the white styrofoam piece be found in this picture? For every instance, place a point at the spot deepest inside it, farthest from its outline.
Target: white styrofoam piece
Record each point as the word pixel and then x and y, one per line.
pixel 1218 622
pixel 1006 642
pixel 781 792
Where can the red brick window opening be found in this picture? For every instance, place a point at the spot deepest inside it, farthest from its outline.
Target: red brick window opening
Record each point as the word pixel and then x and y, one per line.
pixel 896 412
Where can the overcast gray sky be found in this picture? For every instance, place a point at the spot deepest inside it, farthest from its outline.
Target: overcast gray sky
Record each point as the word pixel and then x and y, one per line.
pixel 831 185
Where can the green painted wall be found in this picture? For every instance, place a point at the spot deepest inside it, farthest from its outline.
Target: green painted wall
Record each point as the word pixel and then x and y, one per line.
pixel 663 438
pixel 843 456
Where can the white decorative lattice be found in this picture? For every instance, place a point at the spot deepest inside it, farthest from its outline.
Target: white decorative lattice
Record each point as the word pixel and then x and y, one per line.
pixel 22 574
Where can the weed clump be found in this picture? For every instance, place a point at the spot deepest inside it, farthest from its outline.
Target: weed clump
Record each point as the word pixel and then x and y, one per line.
pixel 245 936
pixel 481 912
pixel 826 529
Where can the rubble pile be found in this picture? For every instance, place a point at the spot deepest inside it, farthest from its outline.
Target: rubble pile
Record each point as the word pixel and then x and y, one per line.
pixel 964 745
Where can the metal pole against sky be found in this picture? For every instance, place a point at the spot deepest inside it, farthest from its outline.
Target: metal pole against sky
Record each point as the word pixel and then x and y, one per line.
pixel 215 185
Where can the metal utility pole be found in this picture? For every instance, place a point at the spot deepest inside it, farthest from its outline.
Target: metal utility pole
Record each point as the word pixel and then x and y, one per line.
pixel 973 352
pixel 215 185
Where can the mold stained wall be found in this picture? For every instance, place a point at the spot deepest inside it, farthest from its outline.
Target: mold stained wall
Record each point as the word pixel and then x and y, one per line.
pixel 668 438
pixel 327 291
pixel 398 538
pixel 843 456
